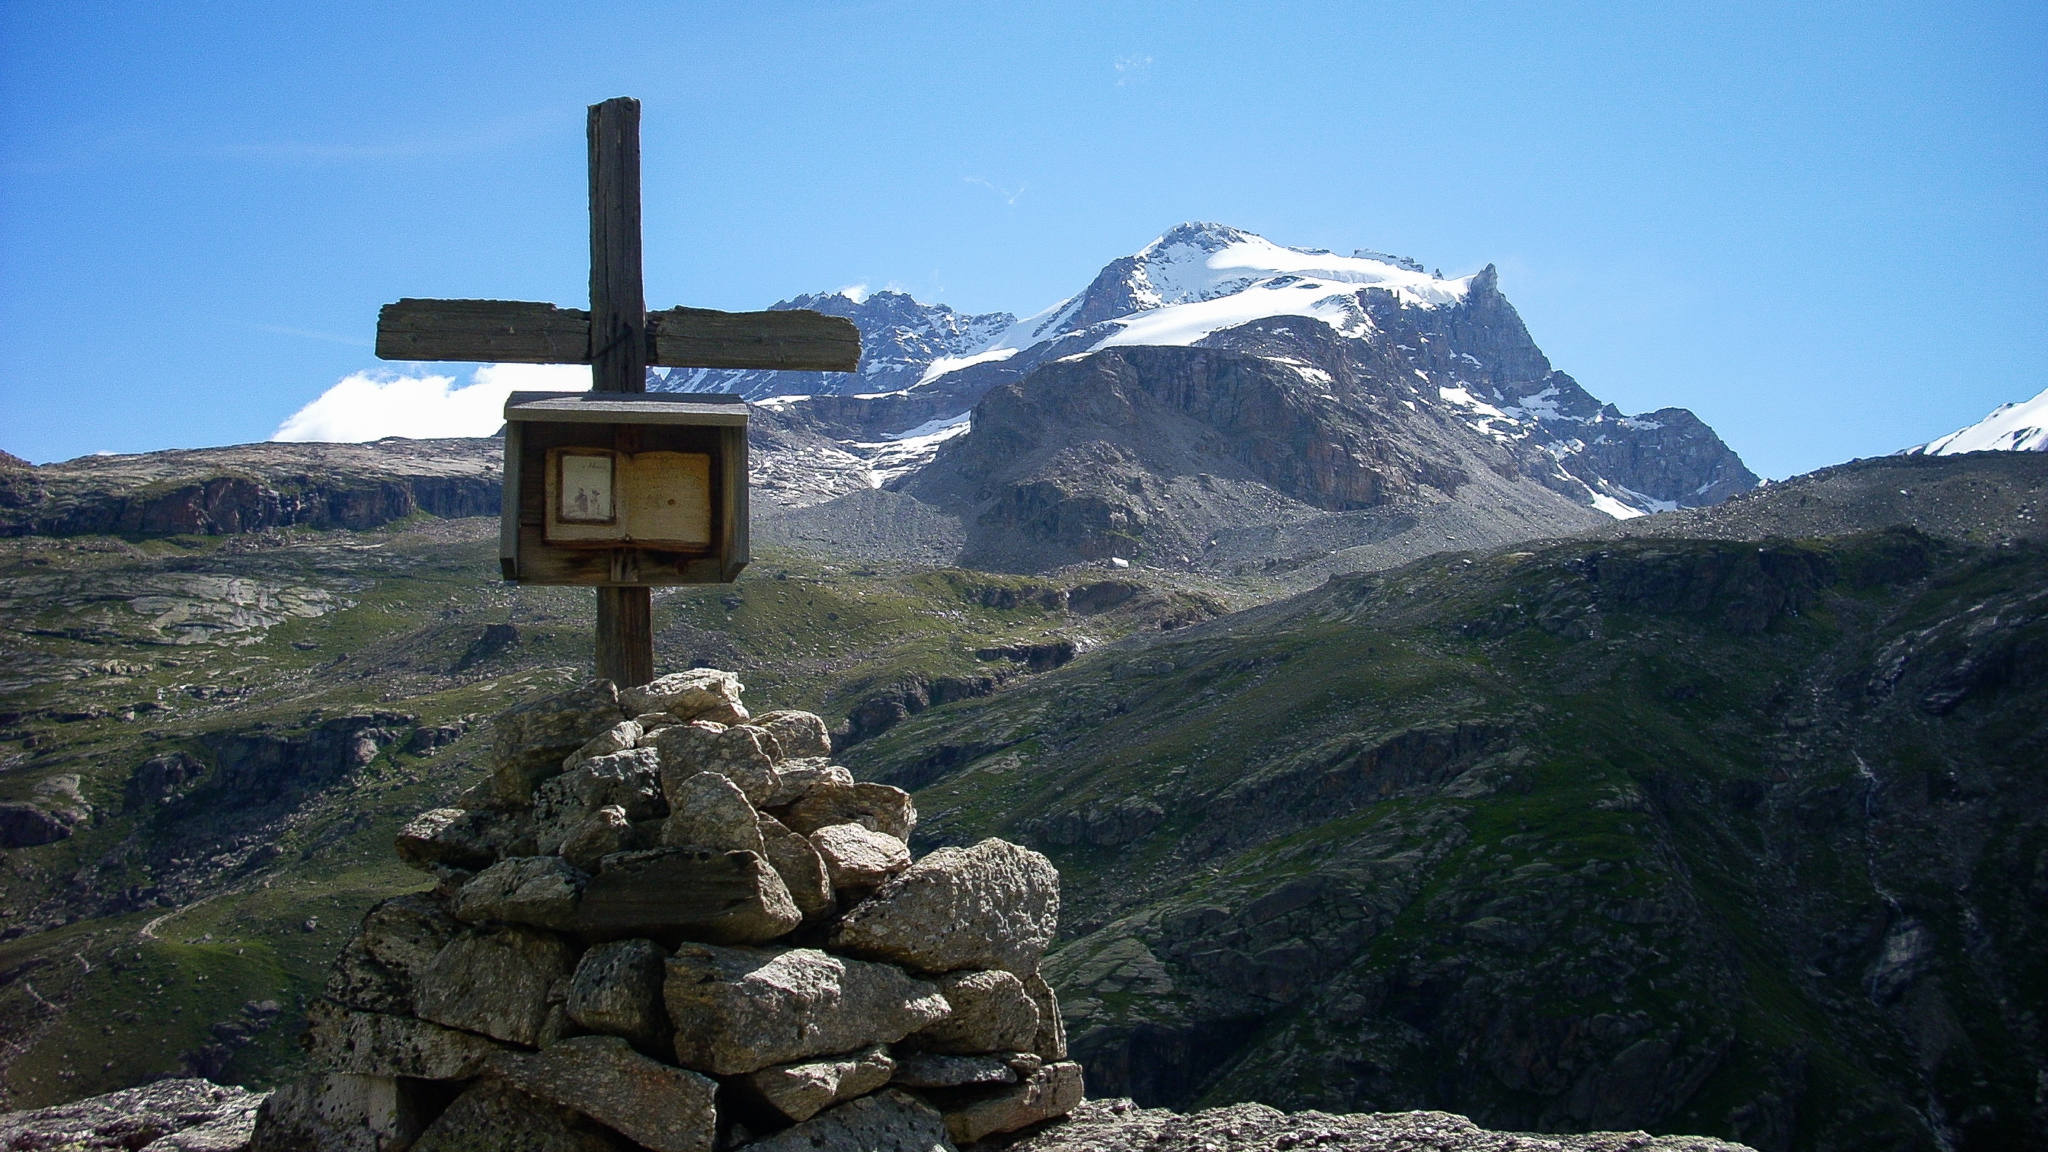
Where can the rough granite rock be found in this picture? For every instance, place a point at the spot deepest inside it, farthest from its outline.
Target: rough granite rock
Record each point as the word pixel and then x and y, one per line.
pixel 887 1121
pixel 939 1070
pixel 1051 1041
pixel 739 752
pixel 739 1010
pixel 992 1012
pixel 882 807
pixel 795 778
pixel 803 1089
pixel 167 1116
pixel 495 1117
pixel 629 779
pixel 801 868
pixel 1121 1126
pixel 707 810
pixel 539 890
pixel 405 933
pixel 617 738
pixel 687 893
pixel 1051 1091
pixel 360 980
pixel 601 833
pixel 506 982
pixel 994 905
pixel 340 1039
pixel 698 694
pixel 530 741
pixel 337 1112
pixel 858 859
pixel 453 837
pixel 616 990
pixel 661 1108
pixel 798 735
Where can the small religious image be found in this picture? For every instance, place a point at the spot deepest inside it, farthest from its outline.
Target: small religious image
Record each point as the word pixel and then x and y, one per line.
pixel 586 490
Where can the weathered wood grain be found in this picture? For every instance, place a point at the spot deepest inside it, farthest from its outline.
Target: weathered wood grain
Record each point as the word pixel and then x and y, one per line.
pixel 494 331
pixel 795 339
pixel 524 332
pixel 618 311
pixel 618 350
pixel 625 635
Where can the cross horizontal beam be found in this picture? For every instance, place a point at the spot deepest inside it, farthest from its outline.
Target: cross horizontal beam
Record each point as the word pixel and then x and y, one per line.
pixel 523 332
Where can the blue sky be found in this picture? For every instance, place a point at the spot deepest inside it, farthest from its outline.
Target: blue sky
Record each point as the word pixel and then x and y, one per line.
pixel 1819 226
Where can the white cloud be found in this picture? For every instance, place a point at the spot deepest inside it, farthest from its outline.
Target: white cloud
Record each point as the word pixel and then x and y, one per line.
pixel 1009 196
pixel 855 292
pixel 373 405
pixel 1130 68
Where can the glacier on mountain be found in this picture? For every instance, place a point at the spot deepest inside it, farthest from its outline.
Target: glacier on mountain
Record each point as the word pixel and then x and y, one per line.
pixel 2021 426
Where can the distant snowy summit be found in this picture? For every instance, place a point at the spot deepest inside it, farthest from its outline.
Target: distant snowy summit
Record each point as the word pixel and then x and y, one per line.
pixel 1200 278
pixel 1376 339
pixel 2017 427
pixel 1197 279
pixel 900 340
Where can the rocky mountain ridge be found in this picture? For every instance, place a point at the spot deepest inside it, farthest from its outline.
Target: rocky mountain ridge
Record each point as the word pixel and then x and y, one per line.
pixel 251 488
pixel 903 341
pixel 1214 402
pixel 1444 348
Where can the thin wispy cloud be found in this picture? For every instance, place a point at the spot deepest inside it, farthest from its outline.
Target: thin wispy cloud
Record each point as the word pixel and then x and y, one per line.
pixel 1131 69
pixel 372 405
pixel 1009 195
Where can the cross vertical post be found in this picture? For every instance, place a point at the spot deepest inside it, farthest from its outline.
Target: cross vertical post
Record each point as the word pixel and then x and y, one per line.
pixel 618 352
pixel 652 516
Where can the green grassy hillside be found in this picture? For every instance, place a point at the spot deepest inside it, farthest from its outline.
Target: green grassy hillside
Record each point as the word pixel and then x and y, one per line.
pixel 1698 836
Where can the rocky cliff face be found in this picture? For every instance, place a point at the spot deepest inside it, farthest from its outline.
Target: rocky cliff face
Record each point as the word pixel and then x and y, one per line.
pixel 253 487
pixel 1201 388
pixel 1149 452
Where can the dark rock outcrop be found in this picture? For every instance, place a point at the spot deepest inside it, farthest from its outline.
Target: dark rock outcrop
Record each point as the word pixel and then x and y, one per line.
pixel 251 487
pixel 189 1115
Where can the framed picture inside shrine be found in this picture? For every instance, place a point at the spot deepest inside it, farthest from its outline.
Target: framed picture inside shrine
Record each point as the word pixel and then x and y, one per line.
pixel 624 489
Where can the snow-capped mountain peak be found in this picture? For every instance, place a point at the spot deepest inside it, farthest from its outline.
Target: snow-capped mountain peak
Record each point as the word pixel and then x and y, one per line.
pixel 1426 367
pixel 1201 277
pixel 1202 261
pixel 902 339
pixel 2016 427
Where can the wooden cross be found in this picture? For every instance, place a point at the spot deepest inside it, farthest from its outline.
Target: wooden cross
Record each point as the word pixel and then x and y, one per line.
pixel 618 338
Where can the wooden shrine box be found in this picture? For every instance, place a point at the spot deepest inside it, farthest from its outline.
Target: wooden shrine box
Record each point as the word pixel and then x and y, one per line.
pixel 626 489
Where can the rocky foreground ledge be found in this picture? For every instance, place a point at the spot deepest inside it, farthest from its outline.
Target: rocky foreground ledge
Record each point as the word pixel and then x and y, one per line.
pixel 196 1116
pixel 1121 1126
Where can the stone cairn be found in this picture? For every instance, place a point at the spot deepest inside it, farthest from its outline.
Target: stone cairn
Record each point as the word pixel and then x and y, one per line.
pixel 664 924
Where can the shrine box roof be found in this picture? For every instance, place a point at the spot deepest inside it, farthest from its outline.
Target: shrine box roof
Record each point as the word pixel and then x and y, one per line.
pixel 627 407
pixel 624 489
